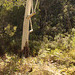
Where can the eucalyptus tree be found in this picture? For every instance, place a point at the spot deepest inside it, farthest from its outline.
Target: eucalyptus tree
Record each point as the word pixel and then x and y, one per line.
pixel 29 12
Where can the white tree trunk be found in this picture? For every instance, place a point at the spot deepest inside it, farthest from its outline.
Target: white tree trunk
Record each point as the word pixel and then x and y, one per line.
pixel 25 35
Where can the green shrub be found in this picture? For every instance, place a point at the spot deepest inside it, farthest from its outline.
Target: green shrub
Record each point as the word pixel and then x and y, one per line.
pixel 34 47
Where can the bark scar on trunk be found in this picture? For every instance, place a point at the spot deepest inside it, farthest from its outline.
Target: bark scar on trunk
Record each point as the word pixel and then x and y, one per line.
pixel 26 48
pixel 25 51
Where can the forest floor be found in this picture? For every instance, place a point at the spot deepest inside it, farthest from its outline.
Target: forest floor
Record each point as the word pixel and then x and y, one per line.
pixel 13 65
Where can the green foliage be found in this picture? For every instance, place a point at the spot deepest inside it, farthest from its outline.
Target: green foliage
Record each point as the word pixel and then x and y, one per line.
pixel 53 38
pixel 10 31
pixel 34 47
pixel 11 20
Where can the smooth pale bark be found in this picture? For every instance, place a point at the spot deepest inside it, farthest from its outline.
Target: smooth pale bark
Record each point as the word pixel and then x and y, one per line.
pixel 25 35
